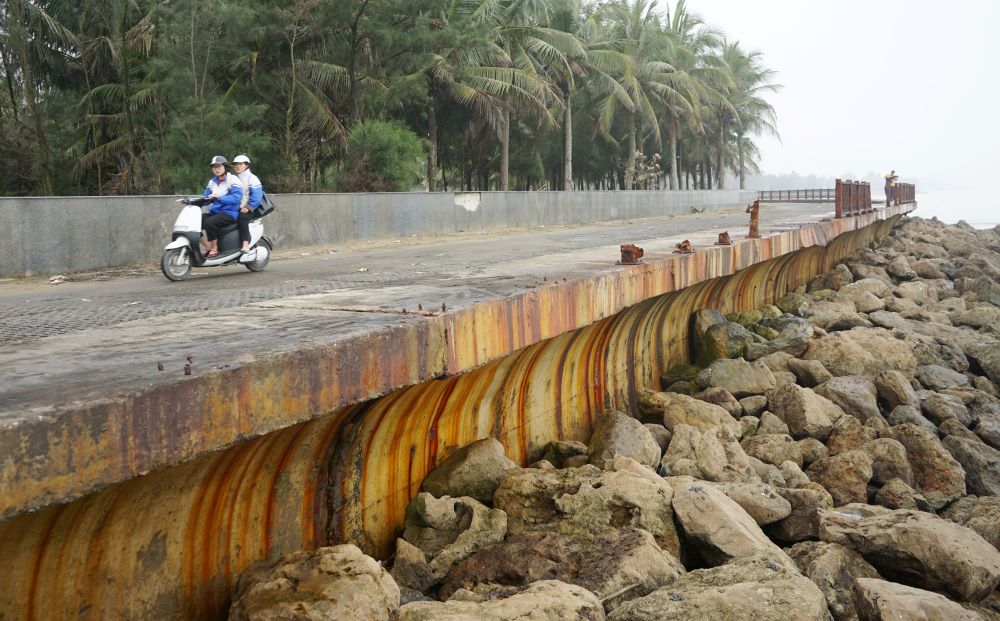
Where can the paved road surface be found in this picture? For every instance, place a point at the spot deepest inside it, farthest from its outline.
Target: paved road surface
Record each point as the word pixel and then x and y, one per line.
pixel 33 308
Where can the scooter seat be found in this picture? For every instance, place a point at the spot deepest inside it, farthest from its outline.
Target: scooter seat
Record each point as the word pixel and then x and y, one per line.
pixel 228 228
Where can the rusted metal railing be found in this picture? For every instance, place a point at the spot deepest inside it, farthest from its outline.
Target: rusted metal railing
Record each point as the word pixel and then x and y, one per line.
pixel 852 198
pixel 809 195
pixel 902 193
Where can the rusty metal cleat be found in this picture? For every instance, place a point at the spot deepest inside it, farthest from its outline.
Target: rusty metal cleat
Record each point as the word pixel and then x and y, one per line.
pixel 724 239
pixel 631 255
pixel 683 248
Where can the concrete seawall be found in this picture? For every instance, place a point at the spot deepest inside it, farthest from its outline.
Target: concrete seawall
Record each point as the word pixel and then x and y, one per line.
pixel 306 454
pixel 50 235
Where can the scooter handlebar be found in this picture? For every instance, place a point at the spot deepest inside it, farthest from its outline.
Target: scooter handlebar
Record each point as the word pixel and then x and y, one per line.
pixel 198 200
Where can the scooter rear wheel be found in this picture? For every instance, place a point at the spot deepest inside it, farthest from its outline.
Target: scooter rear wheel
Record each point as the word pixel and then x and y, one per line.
pixel 176 264
pixel 260 263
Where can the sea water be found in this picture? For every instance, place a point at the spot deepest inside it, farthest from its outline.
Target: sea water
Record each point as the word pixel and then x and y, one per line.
pixel 980 208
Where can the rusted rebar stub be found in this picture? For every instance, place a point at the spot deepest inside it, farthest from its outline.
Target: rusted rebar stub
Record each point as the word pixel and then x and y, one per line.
pixel 631 254
pixel 754 210
pixel 683 248
pixel 724 239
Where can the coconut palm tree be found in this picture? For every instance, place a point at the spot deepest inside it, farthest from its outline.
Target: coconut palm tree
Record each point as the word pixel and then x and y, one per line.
pixel 752 113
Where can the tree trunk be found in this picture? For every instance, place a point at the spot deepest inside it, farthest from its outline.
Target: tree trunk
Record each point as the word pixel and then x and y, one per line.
pixel 720 168
pixel 432 134
pixel 567 182
pixel 31 94
pixel 675 182
pixel 505 150
pixel 743 177
pixel 630 162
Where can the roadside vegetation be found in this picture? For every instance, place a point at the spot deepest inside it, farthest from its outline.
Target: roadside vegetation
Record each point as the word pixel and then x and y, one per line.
pixel 134 96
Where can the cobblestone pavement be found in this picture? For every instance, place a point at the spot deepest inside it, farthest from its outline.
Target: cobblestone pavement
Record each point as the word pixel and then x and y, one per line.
pixel 34 309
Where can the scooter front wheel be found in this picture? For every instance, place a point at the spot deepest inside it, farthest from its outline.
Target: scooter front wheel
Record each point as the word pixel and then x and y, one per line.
pixel 176 264
pixel 263 251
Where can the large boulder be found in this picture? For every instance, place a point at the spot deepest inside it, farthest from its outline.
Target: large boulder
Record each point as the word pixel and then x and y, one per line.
pixel 773 449
pixel 448 530
pixel 336 582
pixel 617 434
pixel 894 389
pixel 712 455
pixel 855 394
pixel 473 470
pixel 722 398
pixel 980 462
pixel 806 413
pixel 737 376
pixel 889 461
pixel 759 500
pixel 936 474
pixel 716 526
pixel 897 494
pixel 834 569
pixel 937 377
pixel 810 373
pixel 980 514
pixel 844 475
pixel 680 409
pixel 899 268
pixel 604 564
pixel 722 340
pixel 547 599
pixel 880 600
pixel 835 316
pixel 746 589
pixel 848 434
pixel 586 501
pixel 862 351
pixel 803 522
pixel 558 451
pixel 919 549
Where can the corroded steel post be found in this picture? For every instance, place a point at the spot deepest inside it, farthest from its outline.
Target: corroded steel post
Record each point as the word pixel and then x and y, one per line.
pixel 838 198
pixel 754 210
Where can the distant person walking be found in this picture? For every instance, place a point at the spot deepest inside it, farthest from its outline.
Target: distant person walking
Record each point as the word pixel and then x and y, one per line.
pixel 890 187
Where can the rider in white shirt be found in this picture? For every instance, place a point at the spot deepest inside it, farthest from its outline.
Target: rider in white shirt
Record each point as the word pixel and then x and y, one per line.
pixel 253 193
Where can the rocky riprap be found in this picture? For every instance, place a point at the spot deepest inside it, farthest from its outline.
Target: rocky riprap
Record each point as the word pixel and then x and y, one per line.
pixel 834 456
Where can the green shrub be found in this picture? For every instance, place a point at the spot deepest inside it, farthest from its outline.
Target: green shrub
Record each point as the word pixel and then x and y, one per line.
pixel 382 156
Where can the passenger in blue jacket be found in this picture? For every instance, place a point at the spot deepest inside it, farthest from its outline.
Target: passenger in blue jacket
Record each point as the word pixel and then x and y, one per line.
pixel 227 191
pixel 253 193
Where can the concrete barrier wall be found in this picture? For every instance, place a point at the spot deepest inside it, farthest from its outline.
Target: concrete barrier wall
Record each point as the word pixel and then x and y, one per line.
pixel 50 235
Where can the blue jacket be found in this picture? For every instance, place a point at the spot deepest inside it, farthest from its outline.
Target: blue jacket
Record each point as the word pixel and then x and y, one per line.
pixel 229 191
pixel 252 188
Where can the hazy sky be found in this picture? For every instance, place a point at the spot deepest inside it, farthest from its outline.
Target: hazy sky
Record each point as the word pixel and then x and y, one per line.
pixel 877 84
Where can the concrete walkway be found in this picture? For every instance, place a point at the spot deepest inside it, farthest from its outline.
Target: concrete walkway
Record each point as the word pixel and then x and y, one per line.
pixel 84 402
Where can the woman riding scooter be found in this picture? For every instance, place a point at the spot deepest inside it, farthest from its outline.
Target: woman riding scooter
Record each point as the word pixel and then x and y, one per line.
pixel 227 191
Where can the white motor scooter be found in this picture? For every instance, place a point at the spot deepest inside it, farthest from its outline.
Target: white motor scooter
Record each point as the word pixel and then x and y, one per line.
pixel 184 252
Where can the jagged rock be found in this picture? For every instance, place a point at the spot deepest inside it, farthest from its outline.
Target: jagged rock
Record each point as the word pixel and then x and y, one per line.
pixel 336 582
pixel 604 564
pixel 759 500
pixel 951 427
pixel 896 494
pixel 936 377
pixel 410 568
pixel 767 473
pixel 777 361
pixel 722 398
pixel 988 427
pixel 855 394
pixel 832 316
pixel 810 373
pixel 918 291
pixel 750 588
pixel 894 389
pixel 980 462
pixel 448 530
pixel 739 377
pixel 705 318
pixel 848 434
pixel 722 340
pixel 712 455
pixel 833 568
pixel 925 268
pixel 661 435
pixel 845 476
pixel 773 449
pixel 985 385
pixel 682 372
pixel 585 500
pixel 899 268
pixel 577 461
pixel 547 599
pixel 867 302
pixel 784 379
pixel 616 434
pixel 880 600
pixel 793 303
pixel 716 526
pixel 874 286
pixel 793 339
pixel 980 514
pixel 753 405
pixel 558 451
pixel 684 410
pixel 889 461
pixel 745 318
pixel 806 413
pixel 919 549
pixel 749 426
pixel 861 351
pixel 803 522
pixel 939 407
pixel 792 473
pixel 936 474
pixel 839 276
pixel 889 320
pixel 812 450
pixel 473 470
pixel 771 424
pixel 902 414
pixel 879 424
